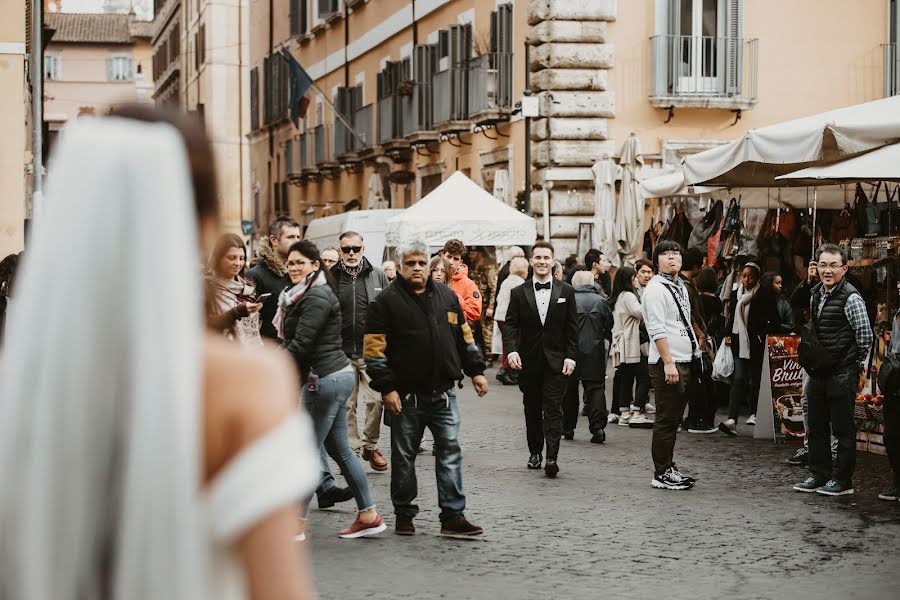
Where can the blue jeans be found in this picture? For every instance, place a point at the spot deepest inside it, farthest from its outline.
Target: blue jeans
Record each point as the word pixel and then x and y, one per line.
pixel 440 413
pixel 329 415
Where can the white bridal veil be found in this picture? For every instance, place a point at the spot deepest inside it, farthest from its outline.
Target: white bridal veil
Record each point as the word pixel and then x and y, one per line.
pixel 100 384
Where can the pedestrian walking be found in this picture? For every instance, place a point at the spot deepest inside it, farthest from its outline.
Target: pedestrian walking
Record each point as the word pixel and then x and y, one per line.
pixel 598 265
pixel 541 334
pixel 162 461
pixel 466 289
pixel 673 350
pixel 417 345
pixel 358 284
pixel 595 323
pixel 309 322
pixel 629 351
pixel 518 271
pixel 269 275
pixel 232 307
pixel 833 348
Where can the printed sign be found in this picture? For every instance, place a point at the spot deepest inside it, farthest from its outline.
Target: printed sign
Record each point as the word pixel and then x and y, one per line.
pixel 780 393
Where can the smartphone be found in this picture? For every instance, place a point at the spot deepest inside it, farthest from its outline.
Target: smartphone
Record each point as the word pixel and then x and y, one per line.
pixel 262 298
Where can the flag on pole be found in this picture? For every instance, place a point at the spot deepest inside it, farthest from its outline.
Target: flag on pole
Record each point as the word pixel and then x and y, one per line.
pixel 300 82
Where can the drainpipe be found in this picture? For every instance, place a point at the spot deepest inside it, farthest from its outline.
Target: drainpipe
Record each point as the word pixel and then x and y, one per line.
pixel 37 110
pixel 527 132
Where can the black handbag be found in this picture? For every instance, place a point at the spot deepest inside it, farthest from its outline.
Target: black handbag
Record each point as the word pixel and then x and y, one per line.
pixel 889 374
pixel 812 355
pixel 732 218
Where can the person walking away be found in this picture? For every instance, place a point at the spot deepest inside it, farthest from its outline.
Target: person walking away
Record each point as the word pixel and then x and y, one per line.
pixel 231 306
pixel 330 257
pixel 417 345
pixel 484 274
pixel 358 284
pixel 892 421
pixel 673 351
pixel 714 318
pixel 841 327
pixel 701 388
pixel 595 322
pixel 541 335
pixel 629 351
pixel 518 271
pixel 390 270
pixel 269 275
pixel 309 321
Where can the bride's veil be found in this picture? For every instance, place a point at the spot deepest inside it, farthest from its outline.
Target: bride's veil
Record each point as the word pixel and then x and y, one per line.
pixel 100 384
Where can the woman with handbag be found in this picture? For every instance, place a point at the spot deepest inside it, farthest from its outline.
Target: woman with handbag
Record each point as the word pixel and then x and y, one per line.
pixel 231 306
pixel 629 350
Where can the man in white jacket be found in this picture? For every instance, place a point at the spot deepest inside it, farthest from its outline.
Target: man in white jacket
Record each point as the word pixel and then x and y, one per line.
pixel 667 315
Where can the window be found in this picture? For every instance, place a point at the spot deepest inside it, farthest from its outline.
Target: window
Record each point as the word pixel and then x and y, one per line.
pixel 52 71
pixel 326 8
pixel 299 13
pixel 119 68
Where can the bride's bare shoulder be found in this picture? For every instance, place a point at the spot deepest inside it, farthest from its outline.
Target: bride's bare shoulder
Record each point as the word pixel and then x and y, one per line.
pixel 247 393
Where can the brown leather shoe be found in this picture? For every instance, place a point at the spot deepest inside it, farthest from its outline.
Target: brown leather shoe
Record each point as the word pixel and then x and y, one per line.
pixel 375 459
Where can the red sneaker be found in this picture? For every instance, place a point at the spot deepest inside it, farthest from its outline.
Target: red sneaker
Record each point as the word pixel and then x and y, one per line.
pixel 359 529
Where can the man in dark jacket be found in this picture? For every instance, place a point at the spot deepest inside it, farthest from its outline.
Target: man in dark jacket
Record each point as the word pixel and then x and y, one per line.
pixel 358 283
pixel 269 275
pixel 595 322
pixel 417 345
pixel 802 293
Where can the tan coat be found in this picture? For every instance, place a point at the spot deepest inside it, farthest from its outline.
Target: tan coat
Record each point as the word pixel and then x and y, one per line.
pixel 626 341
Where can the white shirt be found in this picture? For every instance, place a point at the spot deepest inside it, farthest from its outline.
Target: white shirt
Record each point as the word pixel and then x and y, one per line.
pixel 542 298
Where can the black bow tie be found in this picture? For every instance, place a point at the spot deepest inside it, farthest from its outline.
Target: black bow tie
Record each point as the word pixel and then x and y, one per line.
pixel 542 286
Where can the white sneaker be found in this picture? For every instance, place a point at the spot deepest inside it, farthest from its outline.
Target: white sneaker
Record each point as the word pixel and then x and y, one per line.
pixel 612 418
pixel 649 409
pixel 624 418
pixel 634 409
pixel 751 420
pixel 639 419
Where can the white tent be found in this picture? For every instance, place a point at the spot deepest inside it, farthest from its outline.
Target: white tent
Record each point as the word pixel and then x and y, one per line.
pixel 459 208
pixel 882 164
pixel 756 159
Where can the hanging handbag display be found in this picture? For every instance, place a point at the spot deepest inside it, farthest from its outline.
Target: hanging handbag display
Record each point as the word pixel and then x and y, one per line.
pixel 732 217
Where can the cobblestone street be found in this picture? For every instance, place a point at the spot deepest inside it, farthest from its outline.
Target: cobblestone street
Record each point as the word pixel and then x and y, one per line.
pixel 600 530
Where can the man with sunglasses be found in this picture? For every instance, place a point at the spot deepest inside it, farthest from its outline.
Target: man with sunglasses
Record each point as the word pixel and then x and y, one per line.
pixel 358 283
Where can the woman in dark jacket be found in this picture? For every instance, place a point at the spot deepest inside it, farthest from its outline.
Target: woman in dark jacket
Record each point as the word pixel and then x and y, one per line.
pixel 309 321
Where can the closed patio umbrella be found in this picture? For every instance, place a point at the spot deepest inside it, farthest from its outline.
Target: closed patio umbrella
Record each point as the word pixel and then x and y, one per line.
pixel 629 229
pixel 604 171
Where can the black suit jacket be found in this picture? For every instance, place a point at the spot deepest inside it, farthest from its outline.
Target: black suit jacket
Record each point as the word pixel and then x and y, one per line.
pixel 555 340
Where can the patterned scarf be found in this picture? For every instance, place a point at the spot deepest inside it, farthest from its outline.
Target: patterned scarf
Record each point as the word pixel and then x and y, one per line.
pixel 291 296
pixel 353 272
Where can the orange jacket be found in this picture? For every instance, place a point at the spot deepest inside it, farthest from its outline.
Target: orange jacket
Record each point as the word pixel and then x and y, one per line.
pixel 467 292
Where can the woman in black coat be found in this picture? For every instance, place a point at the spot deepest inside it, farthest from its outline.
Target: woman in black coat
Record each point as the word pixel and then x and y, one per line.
pixel 309 321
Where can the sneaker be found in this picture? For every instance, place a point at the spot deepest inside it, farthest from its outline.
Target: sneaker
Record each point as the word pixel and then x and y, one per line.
pixel 634 409
pixel 333 495
pixel 891 495
pixel 671 480
pixel 751 420
pixel 800 458
pixel 728 427
pixel 624 418
pixel 689 480
pixel 833 488
pixel 703 428
pixel 404 526
pixel 640 421
pixel 649 409
pixel 612 418
pixel 534 461
pixel 808 485
pixel 459 525
pixel 359 529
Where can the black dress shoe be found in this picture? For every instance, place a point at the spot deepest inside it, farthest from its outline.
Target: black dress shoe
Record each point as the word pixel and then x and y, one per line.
pixel 332 496
pixel 535 461
pixel 569 435
pixel 599 437
pixel 551 468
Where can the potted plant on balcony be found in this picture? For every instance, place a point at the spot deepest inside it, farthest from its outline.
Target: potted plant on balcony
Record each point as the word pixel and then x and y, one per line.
pixel 406 88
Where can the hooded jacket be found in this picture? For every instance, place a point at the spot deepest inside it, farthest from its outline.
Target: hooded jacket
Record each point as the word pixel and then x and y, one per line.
pixel 467 292
pixel 355 295
pixel 594 329
pixel 269 276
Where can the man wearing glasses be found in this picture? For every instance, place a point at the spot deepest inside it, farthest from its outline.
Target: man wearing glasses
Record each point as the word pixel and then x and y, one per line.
pixel 833 348
pixel 358 283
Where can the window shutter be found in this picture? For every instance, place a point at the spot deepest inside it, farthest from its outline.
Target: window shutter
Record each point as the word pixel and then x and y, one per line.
pixel 505 28
pixel 495 42
pixel 734 55
pixel 298 18
pixel 325 8
pixel 254 98
pixel 454 45
pixel 110 69
pixel 443 44
pixel 267 94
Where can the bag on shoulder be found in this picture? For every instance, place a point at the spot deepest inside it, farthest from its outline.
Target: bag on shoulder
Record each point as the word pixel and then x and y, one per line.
pixel 889 374
pixel 812 355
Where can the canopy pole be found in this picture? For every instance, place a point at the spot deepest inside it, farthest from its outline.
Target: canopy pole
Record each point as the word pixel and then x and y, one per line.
pixel 815 202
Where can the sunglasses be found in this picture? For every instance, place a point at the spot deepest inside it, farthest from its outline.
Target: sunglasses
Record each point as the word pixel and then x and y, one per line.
pixel 349 249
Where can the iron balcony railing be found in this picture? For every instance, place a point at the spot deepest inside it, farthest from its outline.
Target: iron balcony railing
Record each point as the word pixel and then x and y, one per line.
pixel 391 117
pixel 703 67
pixel 322 144
pixel 490 83
pixel 362 123
pixel 891 70
pixel 343 139
pixel 450 95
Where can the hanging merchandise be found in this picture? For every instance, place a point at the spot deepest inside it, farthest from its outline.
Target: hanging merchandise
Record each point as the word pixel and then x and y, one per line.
pixel 732 217
pixel 712 245
pixel 843 226
pixel 890 222
pixel 706 228
pixel 787 224
pixel 679 229
pixel 751 225
pixel 868 216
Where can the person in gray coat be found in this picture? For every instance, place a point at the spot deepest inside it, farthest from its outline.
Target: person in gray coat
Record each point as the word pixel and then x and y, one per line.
pixel 595 322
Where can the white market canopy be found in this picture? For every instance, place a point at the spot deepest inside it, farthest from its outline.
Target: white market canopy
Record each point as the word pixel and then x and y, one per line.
pixel 461 209
pixel 882 164
pixel 761 155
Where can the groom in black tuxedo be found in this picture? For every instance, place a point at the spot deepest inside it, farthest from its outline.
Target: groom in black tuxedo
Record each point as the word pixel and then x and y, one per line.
pixel 541 335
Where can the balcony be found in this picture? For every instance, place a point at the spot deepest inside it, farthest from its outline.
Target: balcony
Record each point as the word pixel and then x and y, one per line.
pixel 390 122
pixel 363 122
pixel 292 163
pixel 450 101
pixel 891 70
pixel 418 126
pixel 703 72
pixel 323 149
pixel 307 153
pixel 490 88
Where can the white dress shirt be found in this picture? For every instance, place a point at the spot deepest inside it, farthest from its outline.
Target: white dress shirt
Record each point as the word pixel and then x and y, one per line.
pixel 542 299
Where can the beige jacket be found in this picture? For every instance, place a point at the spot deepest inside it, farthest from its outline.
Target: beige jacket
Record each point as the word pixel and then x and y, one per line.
pixel 626 341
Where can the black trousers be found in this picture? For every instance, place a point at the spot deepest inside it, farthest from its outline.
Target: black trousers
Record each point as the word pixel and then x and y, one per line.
pixel 594 400
pixel 892 434
pixel 542 394
pixel 627 392
pixel 831 413
pixel 703 402
pixel 671 400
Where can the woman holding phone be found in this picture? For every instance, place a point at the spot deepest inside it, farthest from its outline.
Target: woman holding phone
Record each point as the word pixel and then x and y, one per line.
pixel 231 304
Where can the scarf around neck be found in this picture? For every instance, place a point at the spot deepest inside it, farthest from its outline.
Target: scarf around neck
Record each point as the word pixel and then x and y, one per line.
pixel 225 294
pixel 353 272
pixel 291 296
pixel 742 318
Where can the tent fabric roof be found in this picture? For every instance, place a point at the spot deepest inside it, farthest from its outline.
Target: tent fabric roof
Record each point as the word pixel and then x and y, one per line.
pixel 86 28
pixel 882 164
pixel 756 159
pixel 459 208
